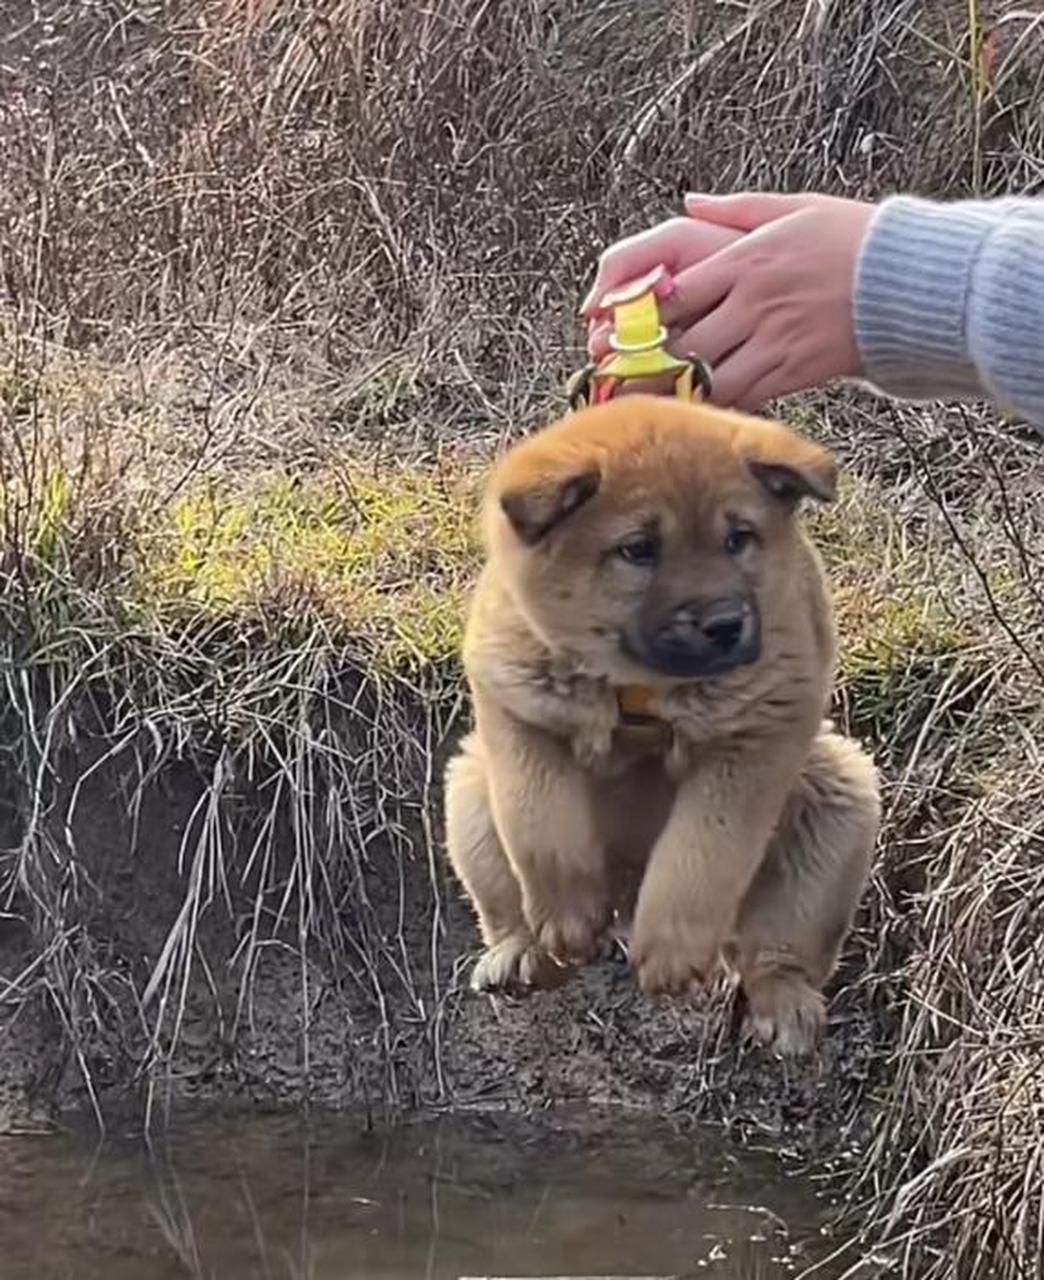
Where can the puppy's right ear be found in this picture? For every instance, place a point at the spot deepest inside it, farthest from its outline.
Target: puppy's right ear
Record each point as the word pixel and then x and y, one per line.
pixel 789 466
pixel 538 508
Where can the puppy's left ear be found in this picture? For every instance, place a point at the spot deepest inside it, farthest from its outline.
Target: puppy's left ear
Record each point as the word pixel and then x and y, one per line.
pixel 787 465
pixel 537 507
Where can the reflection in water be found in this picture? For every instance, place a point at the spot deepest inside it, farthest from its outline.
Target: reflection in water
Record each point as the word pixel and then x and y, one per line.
pixel 285 1200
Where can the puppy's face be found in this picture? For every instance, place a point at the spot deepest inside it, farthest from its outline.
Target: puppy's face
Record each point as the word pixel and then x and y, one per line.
pixel 651 538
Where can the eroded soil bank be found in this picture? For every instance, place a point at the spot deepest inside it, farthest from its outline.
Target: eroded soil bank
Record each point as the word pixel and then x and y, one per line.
pixel 382 1018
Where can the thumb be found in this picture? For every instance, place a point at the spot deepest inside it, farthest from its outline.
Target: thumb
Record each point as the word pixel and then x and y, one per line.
pixel 744 211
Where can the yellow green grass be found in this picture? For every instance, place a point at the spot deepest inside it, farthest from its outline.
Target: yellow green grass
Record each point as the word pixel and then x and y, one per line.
pixel 386 552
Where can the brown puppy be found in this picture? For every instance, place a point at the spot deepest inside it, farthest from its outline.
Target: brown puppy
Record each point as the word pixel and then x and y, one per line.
pixel 650 654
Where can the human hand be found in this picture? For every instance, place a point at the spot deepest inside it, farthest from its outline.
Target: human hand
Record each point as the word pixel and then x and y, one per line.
pixel 771 308
pixel 677 244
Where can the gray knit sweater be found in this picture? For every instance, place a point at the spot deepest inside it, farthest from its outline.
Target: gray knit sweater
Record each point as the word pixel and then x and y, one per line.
pixel 949 302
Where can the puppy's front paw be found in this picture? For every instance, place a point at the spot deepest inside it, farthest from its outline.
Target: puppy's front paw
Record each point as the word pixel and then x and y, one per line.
pixel 591 747
pixel 596 719
pixel 785 1014
pixel 675 954
pixel 593 741
pixel 571 927
pixel 517 966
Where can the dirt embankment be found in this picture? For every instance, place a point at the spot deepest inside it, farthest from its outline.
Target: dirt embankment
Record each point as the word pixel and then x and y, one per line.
pixel 188 987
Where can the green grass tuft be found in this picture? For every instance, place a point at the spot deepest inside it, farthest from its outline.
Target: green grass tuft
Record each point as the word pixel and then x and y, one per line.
pixel 386 553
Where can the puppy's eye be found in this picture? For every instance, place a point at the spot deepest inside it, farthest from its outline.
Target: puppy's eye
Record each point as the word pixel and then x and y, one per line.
pixel 738 539
pixel 642 549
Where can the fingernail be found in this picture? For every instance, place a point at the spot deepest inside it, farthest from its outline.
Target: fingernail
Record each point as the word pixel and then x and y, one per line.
pixel 587 306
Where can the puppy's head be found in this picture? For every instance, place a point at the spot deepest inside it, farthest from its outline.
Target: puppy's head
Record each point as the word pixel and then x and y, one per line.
pixel 652 538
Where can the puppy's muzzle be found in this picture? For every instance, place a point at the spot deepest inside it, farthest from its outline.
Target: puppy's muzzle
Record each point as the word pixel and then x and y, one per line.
pixel 700 639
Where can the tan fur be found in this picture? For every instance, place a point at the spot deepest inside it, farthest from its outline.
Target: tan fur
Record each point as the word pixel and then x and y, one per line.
pixel 737 824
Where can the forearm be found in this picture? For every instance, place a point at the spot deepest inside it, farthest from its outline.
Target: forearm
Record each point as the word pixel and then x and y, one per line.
pixel 544 816
pixel 949 301
pixel 702 865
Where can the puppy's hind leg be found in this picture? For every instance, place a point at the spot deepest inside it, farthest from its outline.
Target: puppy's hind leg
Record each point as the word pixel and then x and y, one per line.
pixel 800 905
pixel 513 960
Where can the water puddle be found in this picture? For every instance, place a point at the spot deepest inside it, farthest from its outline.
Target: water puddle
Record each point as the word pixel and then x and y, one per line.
pixel 277 1199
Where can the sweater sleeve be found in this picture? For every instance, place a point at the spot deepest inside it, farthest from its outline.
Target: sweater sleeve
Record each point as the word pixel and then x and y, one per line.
pixel 949 302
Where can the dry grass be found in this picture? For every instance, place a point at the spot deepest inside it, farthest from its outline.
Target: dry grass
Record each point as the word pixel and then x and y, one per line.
pixel 272 273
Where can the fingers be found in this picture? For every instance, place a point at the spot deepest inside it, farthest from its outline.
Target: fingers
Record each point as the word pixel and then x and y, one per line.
pixel 744 211
pixel 676 244
pixel 712 224
pixel 702 287
pixel 776 381
pixel 716 336
pixel 748 377
pixel 598 332
pixel 697 292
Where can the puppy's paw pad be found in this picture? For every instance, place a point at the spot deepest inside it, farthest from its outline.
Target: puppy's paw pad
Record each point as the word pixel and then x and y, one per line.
pixel 672 976
pixel 679 960
pixel 573 936
pixel 517 966
pixel 591 749
pixel 787 1016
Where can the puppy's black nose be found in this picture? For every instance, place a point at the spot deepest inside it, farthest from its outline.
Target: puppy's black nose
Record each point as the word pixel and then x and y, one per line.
pixel 699 638
pixel 723 627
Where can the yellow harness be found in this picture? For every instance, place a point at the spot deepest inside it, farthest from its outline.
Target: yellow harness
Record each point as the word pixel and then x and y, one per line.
pixel 638 347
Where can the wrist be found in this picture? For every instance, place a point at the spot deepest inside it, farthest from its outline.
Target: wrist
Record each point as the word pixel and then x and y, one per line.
pixel 912 281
